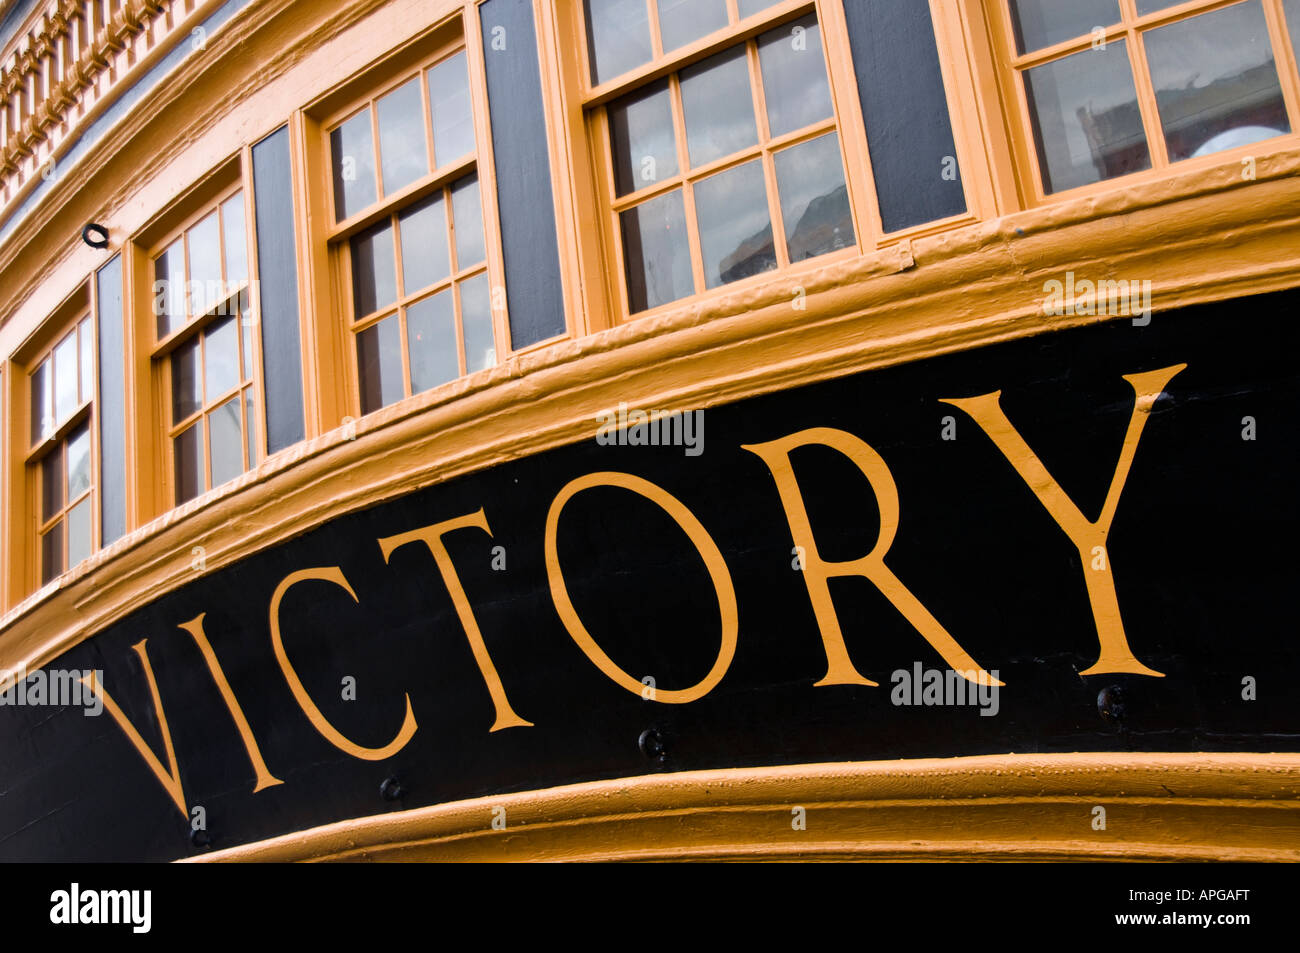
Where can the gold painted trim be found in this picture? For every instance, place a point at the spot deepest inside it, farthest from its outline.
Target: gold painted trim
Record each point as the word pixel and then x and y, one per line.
pixel 1228 807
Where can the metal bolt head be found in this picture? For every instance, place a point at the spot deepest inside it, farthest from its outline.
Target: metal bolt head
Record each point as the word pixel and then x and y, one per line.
pixel 1110 704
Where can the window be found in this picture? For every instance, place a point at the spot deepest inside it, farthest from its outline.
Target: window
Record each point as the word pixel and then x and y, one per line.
pixel 207 342
pixel 410 234
pixel 62 395
pixel 1113 87
pixel 729 165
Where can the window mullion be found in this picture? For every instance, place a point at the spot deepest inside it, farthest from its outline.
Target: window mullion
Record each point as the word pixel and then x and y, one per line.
pixel 688 193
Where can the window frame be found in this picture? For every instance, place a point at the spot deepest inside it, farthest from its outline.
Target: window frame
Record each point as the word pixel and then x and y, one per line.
pixel 456 34
pixel 33 450
pixel 845 121
pixel 1011 67
pixel 231 178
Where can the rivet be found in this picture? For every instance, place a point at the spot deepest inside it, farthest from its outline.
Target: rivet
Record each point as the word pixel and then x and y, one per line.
pixel 392 790
pixel 1110 704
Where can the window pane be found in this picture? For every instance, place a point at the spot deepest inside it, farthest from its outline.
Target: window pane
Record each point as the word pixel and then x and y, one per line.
pixel 52 554
pixel 352 149
pixel 66 379
pixel 1040 23
pixel 78 462
pixel 79 532
pixel 42 404
pixel 431 336
pixel 735 228
pixel 188 453
pixel 220 359
pixel 250 426
pixel 1086 121
pixel 425 258
pixel 379 363
pixel 186 399
pixel 641 138
pixel 476 320
pixel 719 107
pixel 1151 6
pixel 656 253
pixel 52 484
pixel 794 76
pixel 467 220
pixel 453 111
pixel 227 439
pixel 232 227
pixel 403 150
pixel 205 265
pixel 750 7
pixel 169 289
pixel 87 339
pixel 1292 8
pixel 814 200
pixel 618 37
pixel 1216 85
pixel 374 270
pixel 681 21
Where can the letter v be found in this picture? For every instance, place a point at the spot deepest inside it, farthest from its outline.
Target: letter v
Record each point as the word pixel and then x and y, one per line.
pixel 170 780
pixel 1115 655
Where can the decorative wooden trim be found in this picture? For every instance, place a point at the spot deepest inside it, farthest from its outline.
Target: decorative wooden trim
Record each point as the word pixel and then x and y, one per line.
pixel 67 77
pixel 1228 807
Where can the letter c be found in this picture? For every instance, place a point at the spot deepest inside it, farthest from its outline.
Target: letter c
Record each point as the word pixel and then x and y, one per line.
pixel 331 734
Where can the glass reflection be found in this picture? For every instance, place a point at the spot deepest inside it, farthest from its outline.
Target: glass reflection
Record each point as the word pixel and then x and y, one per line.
pixel 453 111
pixel 425 258
pixel 403 151
pixel 642 139
pixel 467 223
pixel 794 76
pixel 657 256
pixel 476 322
pixel 1087 125
pixel 1215 80
pixel 735 228
pixel 374 270
pixel 618 37
pixel 188 460
pixel 431 342
pixel 379 363
pixel 683 21
pixel 220 359
pixel 814 199
pixel 353 152
pixel 1043 23
pixel 719 107
pixel 227 439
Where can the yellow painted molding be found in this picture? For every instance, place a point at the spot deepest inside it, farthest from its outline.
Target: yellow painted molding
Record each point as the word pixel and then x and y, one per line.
pixel 1237 807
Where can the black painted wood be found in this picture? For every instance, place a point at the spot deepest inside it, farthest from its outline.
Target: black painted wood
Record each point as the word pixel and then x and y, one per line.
pixel 278 275
pixel 905 108
pixel 1204 589
pixel 523 170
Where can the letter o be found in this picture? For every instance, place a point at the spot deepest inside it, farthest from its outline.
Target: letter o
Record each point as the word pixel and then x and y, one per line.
pixel 704 545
